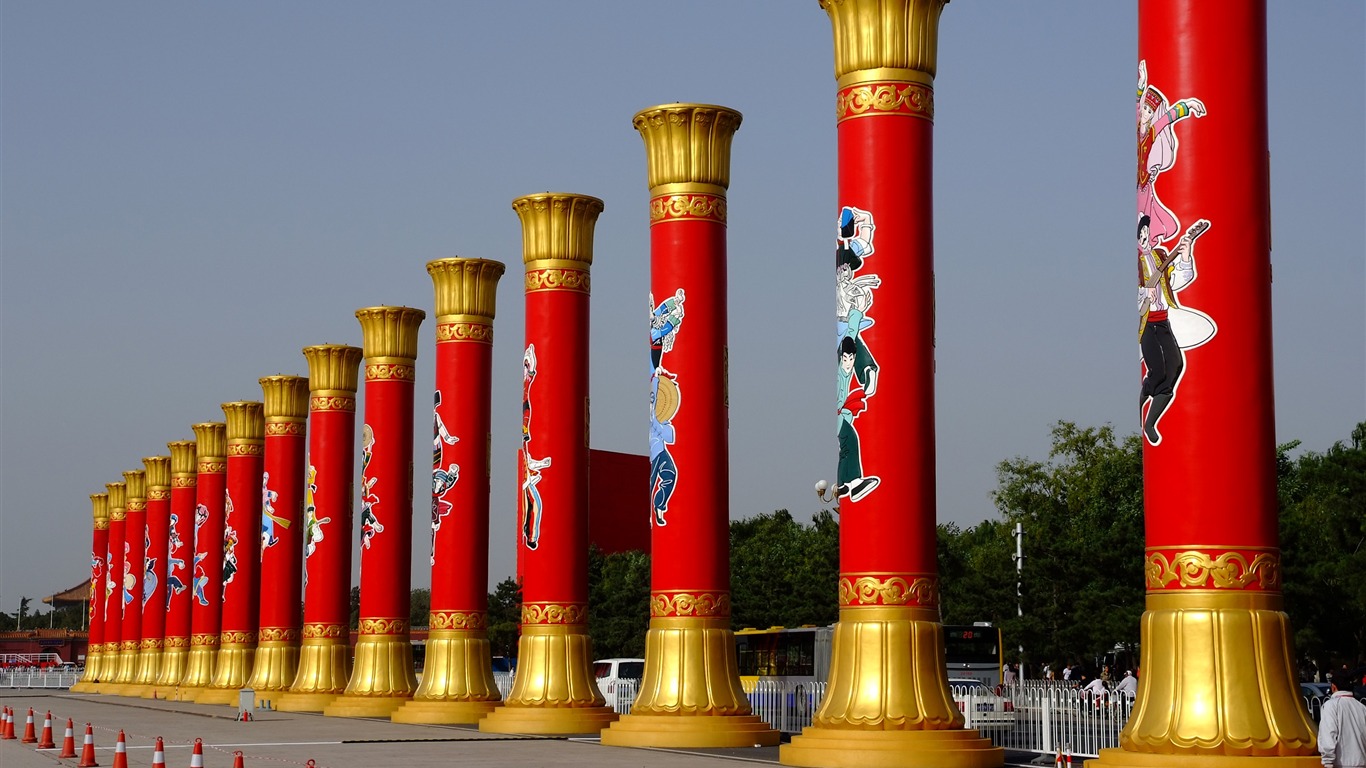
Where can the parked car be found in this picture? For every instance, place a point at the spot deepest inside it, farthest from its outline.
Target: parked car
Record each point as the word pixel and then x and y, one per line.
pixel 988 709
pixel 610 672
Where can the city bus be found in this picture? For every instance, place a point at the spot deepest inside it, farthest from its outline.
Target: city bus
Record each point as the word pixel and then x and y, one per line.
pixel 974 651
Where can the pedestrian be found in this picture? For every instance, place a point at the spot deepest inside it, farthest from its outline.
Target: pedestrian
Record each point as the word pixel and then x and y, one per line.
pixel 1047 672
pixel 1067 672
pixel 1129 685
pixel 1095 688
pixel 1009 676
pixel 1105 674
pixel 1342 725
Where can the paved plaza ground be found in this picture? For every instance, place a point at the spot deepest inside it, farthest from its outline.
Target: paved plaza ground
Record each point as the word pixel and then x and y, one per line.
pixel 281 739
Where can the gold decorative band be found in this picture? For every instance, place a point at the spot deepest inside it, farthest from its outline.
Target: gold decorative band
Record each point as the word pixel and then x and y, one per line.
pixel 129 645
pixel 204 640
pixel 666 604
pixel 383 626
pixel 885 589
pixel 331 403
pixel 184 481
pixel 137 505
pixel 896 98
pixel 477 332
pixel 688 208
pixel 279 634
pixel 1244 568
pixel 324 630
pixel 235 637
pixel 246 449
pixel 176 642
pixel 150 644
pixel 159 494
pixel 457 620
pixel 554 613
pixel 390 372
pixel 285 427
pixel 118 515
pixel 558 279
pixel 102 524
pixel 212 467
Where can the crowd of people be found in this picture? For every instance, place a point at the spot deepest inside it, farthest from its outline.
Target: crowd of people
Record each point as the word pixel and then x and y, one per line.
pixel 1102 683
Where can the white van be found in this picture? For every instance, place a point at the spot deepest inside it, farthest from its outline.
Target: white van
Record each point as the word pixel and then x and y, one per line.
pixel 610 673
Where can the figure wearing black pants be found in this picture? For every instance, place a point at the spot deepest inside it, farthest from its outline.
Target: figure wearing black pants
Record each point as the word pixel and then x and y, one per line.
pixel 1165 361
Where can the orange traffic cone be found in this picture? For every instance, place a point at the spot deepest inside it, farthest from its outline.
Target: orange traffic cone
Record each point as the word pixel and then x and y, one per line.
pixel 46 741
pixel 159 754
pixel 6 730
pixel 30 737
pixel 88 750
pixel 69 741
pixel 237 759
pixel 197 757
pixel 121 752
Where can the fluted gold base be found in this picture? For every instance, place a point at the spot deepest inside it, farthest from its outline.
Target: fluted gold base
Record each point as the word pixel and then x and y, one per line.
pixel 149 668
pixel 126 671
pixel 1218 679
pixel 555 691
pixel 324 669
pixel 382 679
pixel 276 664
pixel 889 698
pixel 235 662
pixel 94 661
pixel 830 748
pixel 170 673
pixel 199 668
pixel 690 695
pixel 457 680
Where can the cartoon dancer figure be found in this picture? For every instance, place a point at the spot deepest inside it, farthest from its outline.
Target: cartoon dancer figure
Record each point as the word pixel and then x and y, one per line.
pixel 664 402
pixel 664 322
pixel 369 523
pixel 149 573
pixel 442 479
pixel 229 557
pixel 268 517
pixel 201 579
pixel 531 468
pixel 1160 277
pixel 108 578
pixel 313 525
pixel 856 369
pixel 174 584
pixel 96 581
pixel 1157 146
pixel 129 580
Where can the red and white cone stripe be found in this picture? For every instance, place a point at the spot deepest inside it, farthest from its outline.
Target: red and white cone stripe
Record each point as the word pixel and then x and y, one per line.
pixel 69 740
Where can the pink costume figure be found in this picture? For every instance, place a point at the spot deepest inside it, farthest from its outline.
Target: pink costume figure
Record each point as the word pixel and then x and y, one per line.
pixel 1157 146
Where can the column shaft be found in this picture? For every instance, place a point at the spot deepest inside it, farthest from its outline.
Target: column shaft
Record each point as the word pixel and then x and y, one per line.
pixel 179 565
pixel 94 653
pixel 113 588
pixel 152 598
pixel 206 619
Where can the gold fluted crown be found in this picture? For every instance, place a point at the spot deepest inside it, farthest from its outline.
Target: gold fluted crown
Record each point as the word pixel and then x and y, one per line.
pixel 245 420
pixel 99 506
pixel 117 494
pixel 211 439
pixel 390 331
pixel 158 471
pixel 135 484
pixel 557 225
pixel 333 366
pixel 885 34
pixel 466 286
pixel 285 397
pixel 687 142
pixel 182 457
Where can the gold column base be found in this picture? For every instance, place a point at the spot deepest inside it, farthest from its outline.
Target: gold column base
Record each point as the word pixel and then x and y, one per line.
pixel 830 748
pixel 457 680
pixel 555 691
pixel 149 668
pixel 888 698
pixel 1218 679
pixel 691 694
pixel 324 669
pixel 94 659
pixel 170 673
pixel 276 664
pixel 1118 758
pixel 126 671
pixel 199 666
pixel 235 661
pixel 382 680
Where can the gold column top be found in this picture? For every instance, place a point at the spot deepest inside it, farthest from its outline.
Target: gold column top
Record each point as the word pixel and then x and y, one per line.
pixel 182 457
pixel 390 332
pixel 466 286
pixel 99 507
pixel 286 398
pixel 158 472
pixel 246 422
pixel 688 143
pixel 333 367
pixel 884 34
pixel 211 440
pixel 117 491
pixel 557 226
pixel 135 484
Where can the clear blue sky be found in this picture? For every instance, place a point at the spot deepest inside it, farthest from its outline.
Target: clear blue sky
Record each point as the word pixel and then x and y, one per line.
pixel 190 193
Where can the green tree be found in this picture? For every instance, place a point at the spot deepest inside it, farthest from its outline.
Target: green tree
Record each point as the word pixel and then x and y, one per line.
pixel 419 607
pixel 618 603
pixel 784 573
pixel 505 617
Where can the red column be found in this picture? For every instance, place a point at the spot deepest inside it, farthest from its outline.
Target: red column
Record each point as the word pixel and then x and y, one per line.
pixel 325 651
pixel 282 505
pixel 690 695
pixel 555 690
pixel 206 570
pixel 241 611
pixel 95 654
pixel 179 569
pixel 383 678
pixel 151 599
pixel 1218 680
pixel 887 674
pixel 134 547
pixel 457 677
pixel 113 588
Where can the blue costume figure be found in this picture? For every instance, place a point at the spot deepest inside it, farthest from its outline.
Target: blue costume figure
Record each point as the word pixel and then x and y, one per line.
pixel 663 471
pixel 149 572
pixel 856 370
pixel 201 580
pixel 174 584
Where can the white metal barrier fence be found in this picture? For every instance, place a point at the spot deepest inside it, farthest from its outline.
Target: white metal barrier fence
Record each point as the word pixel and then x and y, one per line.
pixel 504 682
pixel 33 678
